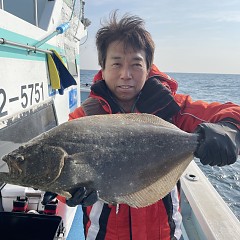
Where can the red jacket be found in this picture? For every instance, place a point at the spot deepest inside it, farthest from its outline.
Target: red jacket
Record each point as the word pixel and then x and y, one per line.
pixel 161 220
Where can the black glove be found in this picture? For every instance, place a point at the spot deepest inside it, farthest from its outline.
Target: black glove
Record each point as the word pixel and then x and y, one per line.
pixel 48 197
pixel 81 196
pixel 219 143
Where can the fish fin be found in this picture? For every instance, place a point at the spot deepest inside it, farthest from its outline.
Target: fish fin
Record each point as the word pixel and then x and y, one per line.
pixel 155 191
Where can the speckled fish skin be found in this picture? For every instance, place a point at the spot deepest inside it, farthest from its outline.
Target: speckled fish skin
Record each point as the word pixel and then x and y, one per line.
pixel 128 158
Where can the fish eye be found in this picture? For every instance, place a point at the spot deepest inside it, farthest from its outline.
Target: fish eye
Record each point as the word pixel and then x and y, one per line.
pixel 20 158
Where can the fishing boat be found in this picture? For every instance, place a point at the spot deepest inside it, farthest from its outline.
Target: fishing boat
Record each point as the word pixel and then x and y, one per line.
pixel 39 86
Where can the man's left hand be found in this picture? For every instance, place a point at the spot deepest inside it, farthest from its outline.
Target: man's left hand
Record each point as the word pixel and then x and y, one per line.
pixel 219 143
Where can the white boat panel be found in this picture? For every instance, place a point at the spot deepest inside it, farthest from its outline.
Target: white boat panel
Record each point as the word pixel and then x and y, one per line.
pixel 25 90
pixel 20 96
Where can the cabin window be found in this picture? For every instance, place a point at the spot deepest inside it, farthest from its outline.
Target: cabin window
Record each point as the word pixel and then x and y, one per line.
pixel 28 10
pixel 71 60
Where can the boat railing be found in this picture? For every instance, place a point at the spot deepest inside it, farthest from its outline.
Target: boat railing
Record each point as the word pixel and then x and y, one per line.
pixel 59 30
pixel 28 47
pixel 205 214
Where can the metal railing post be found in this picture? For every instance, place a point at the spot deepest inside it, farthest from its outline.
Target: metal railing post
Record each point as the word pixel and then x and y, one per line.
pixel 36 11
pixel 1 5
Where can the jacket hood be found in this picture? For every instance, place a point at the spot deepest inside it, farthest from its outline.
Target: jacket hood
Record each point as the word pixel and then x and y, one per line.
pixel 172 83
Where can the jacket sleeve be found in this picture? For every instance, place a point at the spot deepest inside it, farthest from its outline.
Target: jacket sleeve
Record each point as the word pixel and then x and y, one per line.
pixel 77 113
pixel 193 113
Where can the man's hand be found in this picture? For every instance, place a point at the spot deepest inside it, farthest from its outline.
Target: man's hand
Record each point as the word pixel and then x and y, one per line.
pixel 81 196
pixel 48 197
pixel 219 143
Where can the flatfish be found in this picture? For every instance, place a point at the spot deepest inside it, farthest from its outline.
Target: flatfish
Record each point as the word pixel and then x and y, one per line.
pixel 132 158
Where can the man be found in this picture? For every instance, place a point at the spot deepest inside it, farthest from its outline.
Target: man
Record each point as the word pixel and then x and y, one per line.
pixel 129 82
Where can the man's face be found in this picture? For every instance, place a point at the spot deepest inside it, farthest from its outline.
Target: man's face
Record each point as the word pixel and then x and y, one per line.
pixel 125 72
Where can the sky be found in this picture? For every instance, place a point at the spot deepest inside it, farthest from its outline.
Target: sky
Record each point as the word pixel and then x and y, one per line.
pixel 196 36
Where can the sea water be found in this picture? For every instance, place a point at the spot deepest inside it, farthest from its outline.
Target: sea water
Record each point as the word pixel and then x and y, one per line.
pixel 208 87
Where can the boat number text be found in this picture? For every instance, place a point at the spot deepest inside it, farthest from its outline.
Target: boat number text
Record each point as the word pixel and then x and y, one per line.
pixel 29 94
